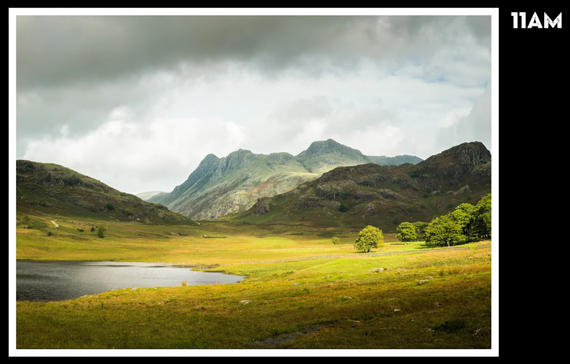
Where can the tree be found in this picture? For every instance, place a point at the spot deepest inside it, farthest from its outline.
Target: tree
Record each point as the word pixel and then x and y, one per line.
pixel 464 216
pixel 343 208
pixel 368 238
pixel 421 229
pixel 335 240
pixel 482 218
pixel 444 230
pixel 406 232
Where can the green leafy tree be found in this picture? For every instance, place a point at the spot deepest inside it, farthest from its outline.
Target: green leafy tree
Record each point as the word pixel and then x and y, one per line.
pixel 464 216
pixel 444 230
pixel 335 240
pixel 482 218
pixel 421 229
pixel 368 238
pixel 406 232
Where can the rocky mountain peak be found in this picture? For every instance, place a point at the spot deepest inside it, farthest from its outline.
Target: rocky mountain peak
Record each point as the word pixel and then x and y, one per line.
pixel 472 153
pixel 208 161
pixel 239 159
pixel 328 146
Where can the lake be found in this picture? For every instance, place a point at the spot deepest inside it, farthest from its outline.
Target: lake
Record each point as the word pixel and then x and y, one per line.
pixel 63 280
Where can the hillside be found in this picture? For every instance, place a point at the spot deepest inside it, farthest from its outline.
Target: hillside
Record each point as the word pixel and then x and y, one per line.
pixel 233 184
pixel 56 190
pixel 383 196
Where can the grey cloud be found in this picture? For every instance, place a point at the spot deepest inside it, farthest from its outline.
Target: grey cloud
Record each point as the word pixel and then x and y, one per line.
pixel 59 50
pixel 480 27
pixel 475 126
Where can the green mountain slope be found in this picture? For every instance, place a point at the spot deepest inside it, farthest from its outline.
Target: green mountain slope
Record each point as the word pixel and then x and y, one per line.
pixel 56 190
pixel 383 196
pixel 223 186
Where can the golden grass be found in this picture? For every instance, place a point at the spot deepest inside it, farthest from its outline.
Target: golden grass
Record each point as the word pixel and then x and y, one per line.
pixel 301 292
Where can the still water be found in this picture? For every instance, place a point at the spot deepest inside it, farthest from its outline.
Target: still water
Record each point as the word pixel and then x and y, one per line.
pixel 62 280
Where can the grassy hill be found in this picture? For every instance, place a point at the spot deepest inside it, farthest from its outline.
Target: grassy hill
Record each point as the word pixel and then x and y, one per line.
pixel 51 189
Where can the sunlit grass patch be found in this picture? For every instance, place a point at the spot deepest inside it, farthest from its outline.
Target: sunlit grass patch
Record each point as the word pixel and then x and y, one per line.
pixel 300 291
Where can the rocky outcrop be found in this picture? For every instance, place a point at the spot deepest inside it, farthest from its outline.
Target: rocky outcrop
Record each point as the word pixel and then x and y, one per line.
pixel 469 153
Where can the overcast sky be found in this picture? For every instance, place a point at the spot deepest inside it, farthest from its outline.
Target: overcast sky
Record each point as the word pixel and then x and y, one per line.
pixel 138 101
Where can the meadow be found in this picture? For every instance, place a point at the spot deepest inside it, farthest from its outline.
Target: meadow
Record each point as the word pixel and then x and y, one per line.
pixel 301 291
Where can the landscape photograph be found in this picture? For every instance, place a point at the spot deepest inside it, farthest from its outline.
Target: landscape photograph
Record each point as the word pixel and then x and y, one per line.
pixel 253 182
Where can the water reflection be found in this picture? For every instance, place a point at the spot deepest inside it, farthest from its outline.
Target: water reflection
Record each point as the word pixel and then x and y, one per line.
pixel 62 280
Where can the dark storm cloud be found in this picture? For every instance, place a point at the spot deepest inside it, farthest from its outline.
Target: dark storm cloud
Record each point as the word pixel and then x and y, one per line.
pixel 56 50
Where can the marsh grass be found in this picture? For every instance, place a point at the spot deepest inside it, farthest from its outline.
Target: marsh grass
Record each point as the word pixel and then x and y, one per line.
pixel 301 292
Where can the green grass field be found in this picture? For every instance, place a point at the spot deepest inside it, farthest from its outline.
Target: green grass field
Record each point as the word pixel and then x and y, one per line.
pixel 301 291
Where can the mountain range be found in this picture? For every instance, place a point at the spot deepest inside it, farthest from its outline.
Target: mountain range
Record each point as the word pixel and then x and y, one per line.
pixel 233 184
pixel 326 186
pixel 370 194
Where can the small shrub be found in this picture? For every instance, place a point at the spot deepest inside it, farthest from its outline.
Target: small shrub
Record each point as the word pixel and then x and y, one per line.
pixel 101 232
pixel 343 208
pixel 335 240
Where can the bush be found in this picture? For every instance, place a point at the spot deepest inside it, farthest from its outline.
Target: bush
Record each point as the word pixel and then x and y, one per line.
pixel 101 232
pixel 343 208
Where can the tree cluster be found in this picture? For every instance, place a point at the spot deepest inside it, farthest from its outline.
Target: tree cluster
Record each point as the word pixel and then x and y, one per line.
pixel 466 223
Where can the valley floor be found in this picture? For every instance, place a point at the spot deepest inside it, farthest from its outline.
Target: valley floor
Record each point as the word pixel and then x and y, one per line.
pixel 301 292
